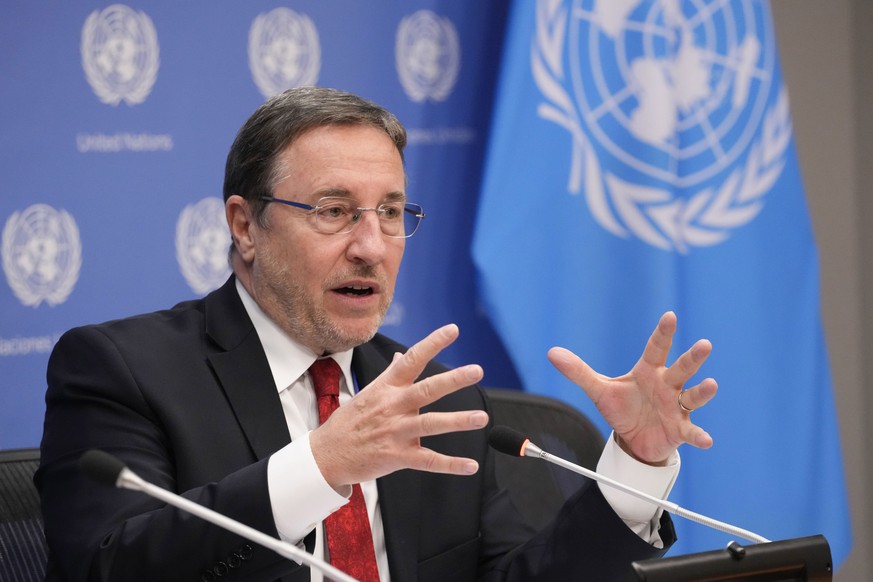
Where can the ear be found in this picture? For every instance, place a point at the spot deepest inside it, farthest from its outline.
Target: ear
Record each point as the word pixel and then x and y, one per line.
pixel 241 222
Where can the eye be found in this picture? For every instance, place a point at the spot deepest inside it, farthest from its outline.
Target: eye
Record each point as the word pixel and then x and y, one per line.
pixel 334 211
pixel 391 211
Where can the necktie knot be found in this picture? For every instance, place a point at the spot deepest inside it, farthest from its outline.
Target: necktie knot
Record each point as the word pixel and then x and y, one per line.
pixel 325 377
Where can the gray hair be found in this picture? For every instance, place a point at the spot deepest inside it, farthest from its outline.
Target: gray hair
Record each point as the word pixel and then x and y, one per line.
pixel 252 168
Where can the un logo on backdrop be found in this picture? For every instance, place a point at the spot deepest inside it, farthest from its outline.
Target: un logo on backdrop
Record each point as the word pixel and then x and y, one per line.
pixel 284 51
pixel 120 54
pixel 202 243
pixel 675 130
pixel 428 56
pixel 42 255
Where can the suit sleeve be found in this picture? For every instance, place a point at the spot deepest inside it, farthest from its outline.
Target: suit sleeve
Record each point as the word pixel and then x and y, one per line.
pixel 587 540
pixel 100 533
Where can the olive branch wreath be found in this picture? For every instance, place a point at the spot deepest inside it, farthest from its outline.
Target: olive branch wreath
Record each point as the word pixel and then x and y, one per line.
pixel 18 284
pixel 652 214
pixel 104 90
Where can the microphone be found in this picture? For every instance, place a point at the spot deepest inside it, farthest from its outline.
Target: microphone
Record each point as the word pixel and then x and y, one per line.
pixel 511 442
pixel 108 470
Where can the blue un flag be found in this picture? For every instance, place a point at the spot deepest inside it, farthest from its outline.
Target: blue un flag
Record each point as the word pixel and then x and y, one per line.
pixel 642 160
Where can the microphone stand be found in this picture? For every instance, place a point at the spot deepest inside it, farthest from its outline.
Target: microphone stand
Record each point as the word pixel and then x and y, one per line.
pixel 105 468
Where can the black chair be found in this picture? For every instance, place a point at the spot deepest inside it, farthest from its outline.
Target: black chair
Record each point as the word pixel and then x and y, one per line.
pixel 23 552
pixel 538 488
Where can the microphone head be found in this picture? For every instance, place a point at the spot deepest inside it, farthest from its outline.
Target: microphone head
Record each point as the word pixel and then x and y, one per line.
pixel 101 467
pixel 507 440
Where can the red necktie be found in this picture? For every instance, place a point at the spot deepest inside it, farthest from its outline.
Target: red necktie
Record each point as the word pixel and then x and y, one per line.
pixel 349 541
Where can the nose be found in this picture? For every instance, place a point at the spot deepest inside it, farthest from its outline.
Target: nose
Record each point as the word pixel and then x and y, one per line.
pixel 367 243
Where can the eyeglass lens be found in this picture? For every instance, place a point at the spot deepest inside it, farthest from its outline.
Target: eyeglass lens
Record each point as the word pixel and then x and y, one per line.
pixel 340 216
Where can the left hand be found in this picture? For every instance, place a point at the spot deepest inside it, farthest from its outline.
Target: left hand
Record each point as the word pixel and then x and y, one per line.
pixel 642 406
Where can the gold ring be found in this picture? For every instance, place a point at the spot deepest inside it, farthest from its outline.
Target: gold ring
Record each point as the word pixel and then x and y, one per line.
pixel 682 406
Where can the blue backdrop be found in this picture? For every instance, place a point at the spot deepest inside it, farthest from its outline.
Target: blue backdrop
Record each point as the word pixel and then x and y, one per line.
pixel 622 179
pixel 95 193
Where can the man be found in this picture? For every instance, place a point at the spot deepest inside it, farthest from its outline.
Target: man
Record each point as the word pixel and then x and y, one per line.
pixel 216 399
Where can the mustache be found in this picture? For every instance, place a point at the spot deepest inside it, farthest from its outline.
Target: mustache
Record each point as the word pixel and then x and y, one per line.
pixel 359 272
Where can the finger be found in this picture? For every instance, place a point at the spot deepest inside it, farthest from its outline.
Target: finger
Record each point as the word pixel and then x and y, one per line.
pixel 432 462
pixel 577 371
pixel 700 395
pixel 435 387
pixel 408 367
pixel 688 363
pixel 658 346
pixel 436 423
pixel 696 436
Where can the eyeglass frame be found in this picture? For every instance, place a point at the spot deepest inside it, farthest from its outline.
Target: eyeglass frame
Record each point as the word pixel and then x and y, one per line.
pixel 410 207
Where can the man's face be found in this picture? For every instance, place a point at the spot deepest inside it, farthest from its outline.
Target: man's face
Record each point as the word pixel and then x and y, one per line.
pixel 329 291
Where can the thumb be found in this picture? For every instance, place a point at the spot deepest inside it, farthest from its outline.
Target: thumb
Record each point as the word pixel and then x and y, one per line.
pixel 576 370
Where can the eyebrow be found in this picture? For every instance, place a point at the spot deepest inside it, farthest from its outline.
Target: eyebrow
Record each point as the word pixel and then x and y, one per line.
pixel 395 196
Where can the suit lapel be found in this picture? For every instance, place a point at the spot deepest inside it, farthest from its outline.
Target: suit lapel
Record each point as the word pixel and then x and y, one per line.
pixel 399 492
pixel 243 372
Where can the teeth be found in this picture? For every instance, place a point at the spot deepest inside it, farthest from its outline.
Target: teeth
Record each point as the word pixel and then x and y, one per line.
pixel 358 290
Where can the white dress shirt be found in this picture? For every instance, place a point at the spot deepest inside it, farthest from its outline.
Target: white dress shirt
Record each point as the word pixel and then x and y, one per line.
pixel 301 499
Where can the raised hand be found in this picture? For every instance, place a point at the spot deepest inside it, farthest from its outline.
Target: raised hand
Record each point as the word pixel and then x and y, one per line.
pixel 379 430
pixel 643 406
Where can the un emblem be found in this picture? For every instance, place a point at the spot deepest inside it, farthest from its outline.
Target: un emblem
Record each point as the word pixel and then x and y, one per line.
pixel 428 56
pixel 202 243
pixel 677 131
pixel 284 51
pixel 120 54
pixel 42 255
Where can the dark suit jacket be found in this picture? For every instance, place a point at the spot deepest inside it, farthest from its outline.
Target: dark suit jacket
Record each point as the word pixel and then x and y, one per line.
pixel 186 399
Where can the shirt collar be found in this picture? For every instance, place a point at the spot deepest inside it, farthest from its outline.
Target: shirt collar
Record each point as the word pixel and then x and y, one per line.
pixel 288 359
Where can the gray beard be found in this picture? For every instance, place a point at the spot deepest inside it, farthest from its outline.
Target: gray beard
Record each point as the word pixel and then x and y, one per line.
pixel 296 315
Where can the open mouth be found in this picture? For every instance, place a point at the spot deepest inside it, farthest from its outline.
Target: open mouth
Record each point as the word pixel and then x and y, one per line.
pixel 355 291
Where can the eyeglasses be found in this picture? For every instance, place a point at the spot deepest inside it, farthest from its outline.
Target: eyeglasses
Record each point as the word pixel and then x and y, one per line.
pixel 336 215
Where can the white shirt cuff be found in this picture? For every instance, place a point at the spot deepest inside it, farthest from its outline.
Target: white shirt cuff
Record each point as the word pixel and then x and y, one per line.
pixel 299 495
pixel 639 515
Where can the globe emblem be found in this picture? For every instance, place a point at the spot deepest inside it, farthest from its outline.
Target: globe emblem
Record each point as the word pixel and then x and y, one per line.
pixel 427 55
pixel 284 51
pixel 686 82
pixel 202 242
pixel 120 54
pixel 678 130
pixel 42 254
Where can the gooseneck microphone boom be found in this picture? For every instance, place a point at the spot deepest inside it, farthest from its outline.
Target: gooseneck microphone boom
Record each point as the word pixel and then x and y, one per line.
pixel 106 469
pixel 511 442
